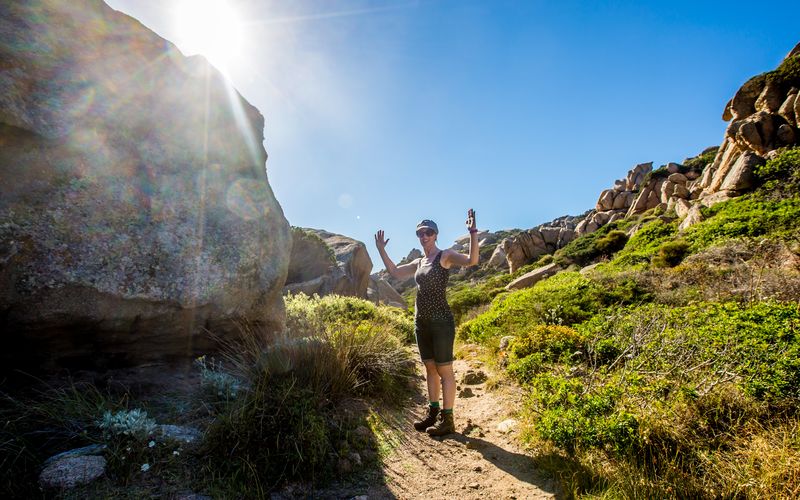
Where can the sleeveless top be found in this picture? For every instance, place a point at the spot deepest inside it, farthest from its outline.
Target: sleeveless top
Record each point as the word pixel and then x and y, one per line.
pixel 431 279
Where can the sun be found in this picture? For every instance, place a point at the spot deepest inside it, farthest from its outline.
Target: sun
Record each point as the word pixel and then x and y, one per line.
pixel 212 28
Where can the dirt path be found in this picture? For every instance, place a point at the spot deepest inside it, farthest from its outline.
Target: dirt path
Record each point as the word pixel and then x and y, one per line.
pixel 482 460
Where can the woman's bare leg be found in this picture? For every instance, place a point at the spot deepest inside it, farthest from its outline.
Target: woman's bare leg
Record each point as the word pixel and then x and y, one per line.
pixel 433 380
pixel 445 372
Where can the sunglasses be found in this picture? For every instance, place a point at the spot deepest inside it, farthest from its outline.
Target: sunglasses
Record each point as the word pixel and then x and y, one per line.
pixel 425 232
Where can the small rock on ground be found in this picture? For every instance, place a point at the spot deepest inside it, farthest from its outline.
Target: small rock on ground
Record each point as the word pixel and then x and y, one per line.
pixel 473 377
pixel 69 472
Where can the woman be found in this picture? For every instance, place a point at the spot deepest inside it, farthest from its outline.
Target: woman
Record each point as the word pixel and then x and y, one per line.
pixel 433 322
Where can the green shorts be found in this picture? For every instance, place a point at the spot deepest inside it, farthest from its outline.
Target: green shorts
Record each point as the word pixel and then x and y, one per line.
pixel 435 339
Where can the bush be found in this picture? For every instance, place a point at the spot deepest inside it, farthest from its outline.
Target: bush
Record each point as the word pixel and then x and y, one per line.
pixel 780 176
pixel 572 295
pixel 645 243
pixel 611 243
pixel 747 216
pixel 671 253
pixel 550 340
pixel 281 423
pixel 463 299
pixel 333 312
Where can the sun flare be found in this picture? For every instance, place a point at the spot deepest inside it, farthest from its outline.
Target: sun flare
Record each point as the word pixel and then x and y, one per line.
pixel 212 28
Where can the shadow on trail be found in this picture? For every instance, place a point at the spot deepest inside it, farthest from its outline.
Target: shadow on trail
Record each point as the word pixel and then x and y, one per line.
pixel 521 466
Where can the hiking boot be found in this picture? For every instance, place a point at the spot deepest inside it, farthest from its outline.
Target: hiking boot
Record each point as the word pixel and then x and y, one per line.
pixel 428 421
pixel 443 427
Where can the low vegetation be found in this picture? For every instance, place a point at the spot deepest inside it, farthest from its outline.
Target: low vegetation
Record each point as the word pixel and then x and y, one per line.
pixel 671 369
pixel 294 406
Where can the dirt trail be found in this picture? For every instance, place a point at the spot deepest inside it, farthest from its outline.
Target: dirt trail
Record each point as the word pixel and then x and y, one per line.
pixel 482 460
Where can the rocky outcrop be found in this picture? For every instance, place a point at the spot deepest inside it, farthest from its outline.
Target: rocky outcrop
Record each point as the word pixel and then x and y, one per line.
pixel 381 292
pixel 328 263
pixel 527 246
pixel 763 117
pixel 135 211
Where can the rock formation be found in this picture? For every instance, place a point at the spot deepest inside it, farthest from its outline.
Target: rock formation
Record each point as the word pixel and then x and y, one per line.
pixel 764 116
pixel 335 265
pixel 398 285
pixel 381 292
pixel 546 238
pixel 135 210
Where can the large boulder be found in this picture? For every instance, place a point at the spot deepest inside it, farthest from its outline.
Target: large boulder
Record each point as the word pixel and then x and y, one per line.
pixel 135 211
pixel 381 292
pixel 328 263
pixel 531 278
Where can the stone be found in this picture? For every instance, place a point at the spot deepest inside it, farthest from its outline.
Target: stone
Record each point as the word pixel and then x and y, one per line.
pixel 787 110
pixel 180 433
pixel 673 168
pixel 588 269
pixel 523 248
pixel 136 179
pixel 498 258
pixel 507 426
pixel 505 342
pixel 692 175
pixel 677 178
pixel 601 218
pixel 770 98
pixel 69 472
pixel 620 201
pixel 531 278
pixel 681 191
pixel 606 200
pixel 692 217
pixel 353 258
pixel 743 102
pixel 92 449
pixel 466 393
pixel 717 197
pixel 473 377
pixel 786 134
pixel 727 114
pixel 667 189
pixel 311 257
pixel 617 215
pixel 682 208
pixel 381 292
pixel 740 177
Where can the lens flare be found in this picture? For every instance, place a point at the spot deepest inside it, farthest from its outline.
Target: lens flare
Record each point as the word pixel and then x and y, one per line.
pixel 211 28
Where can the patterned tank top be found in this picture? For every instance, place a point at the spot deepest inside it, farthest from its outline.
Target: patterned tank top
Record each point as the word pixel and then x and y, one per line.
pixel 431 281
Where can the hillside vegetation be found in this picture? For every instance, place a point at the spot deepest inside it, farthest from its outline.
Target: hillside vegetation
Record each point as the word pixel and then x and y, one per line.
pixel 670 367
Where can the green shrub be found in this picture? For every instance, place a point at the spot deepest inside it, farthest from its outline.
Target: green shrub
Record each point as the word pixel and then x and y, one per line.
pixel 645 243
pixel 334 312
pixel 611 243
pixel 671 253
pixel 573 417
pixel 574 296
pixel 745 216
pixel 780 176
pixel 550 340
pixel 583 250
pixel 464 298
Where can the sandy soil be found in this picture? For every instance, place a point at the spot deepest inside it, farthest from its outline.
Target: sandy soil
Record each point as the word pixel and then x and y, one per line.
pixel 482 460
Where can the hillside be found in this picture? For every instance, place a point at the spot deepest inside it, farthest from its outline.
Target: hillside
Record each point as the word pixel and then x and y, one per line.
pixel 661 358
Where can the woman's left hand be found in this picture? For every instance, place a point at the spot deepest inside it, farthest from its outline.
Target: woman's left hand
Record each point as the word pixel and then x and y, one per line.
pixel 470 220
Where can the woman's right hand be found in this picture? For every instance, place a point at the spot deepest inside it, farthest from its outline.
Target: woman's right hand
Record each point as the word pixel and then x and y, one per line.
pixel 380 242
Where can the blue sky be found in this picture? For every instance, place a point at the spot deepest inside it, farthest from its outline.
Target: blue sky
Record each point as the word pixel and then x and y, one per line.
pixel 379 114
